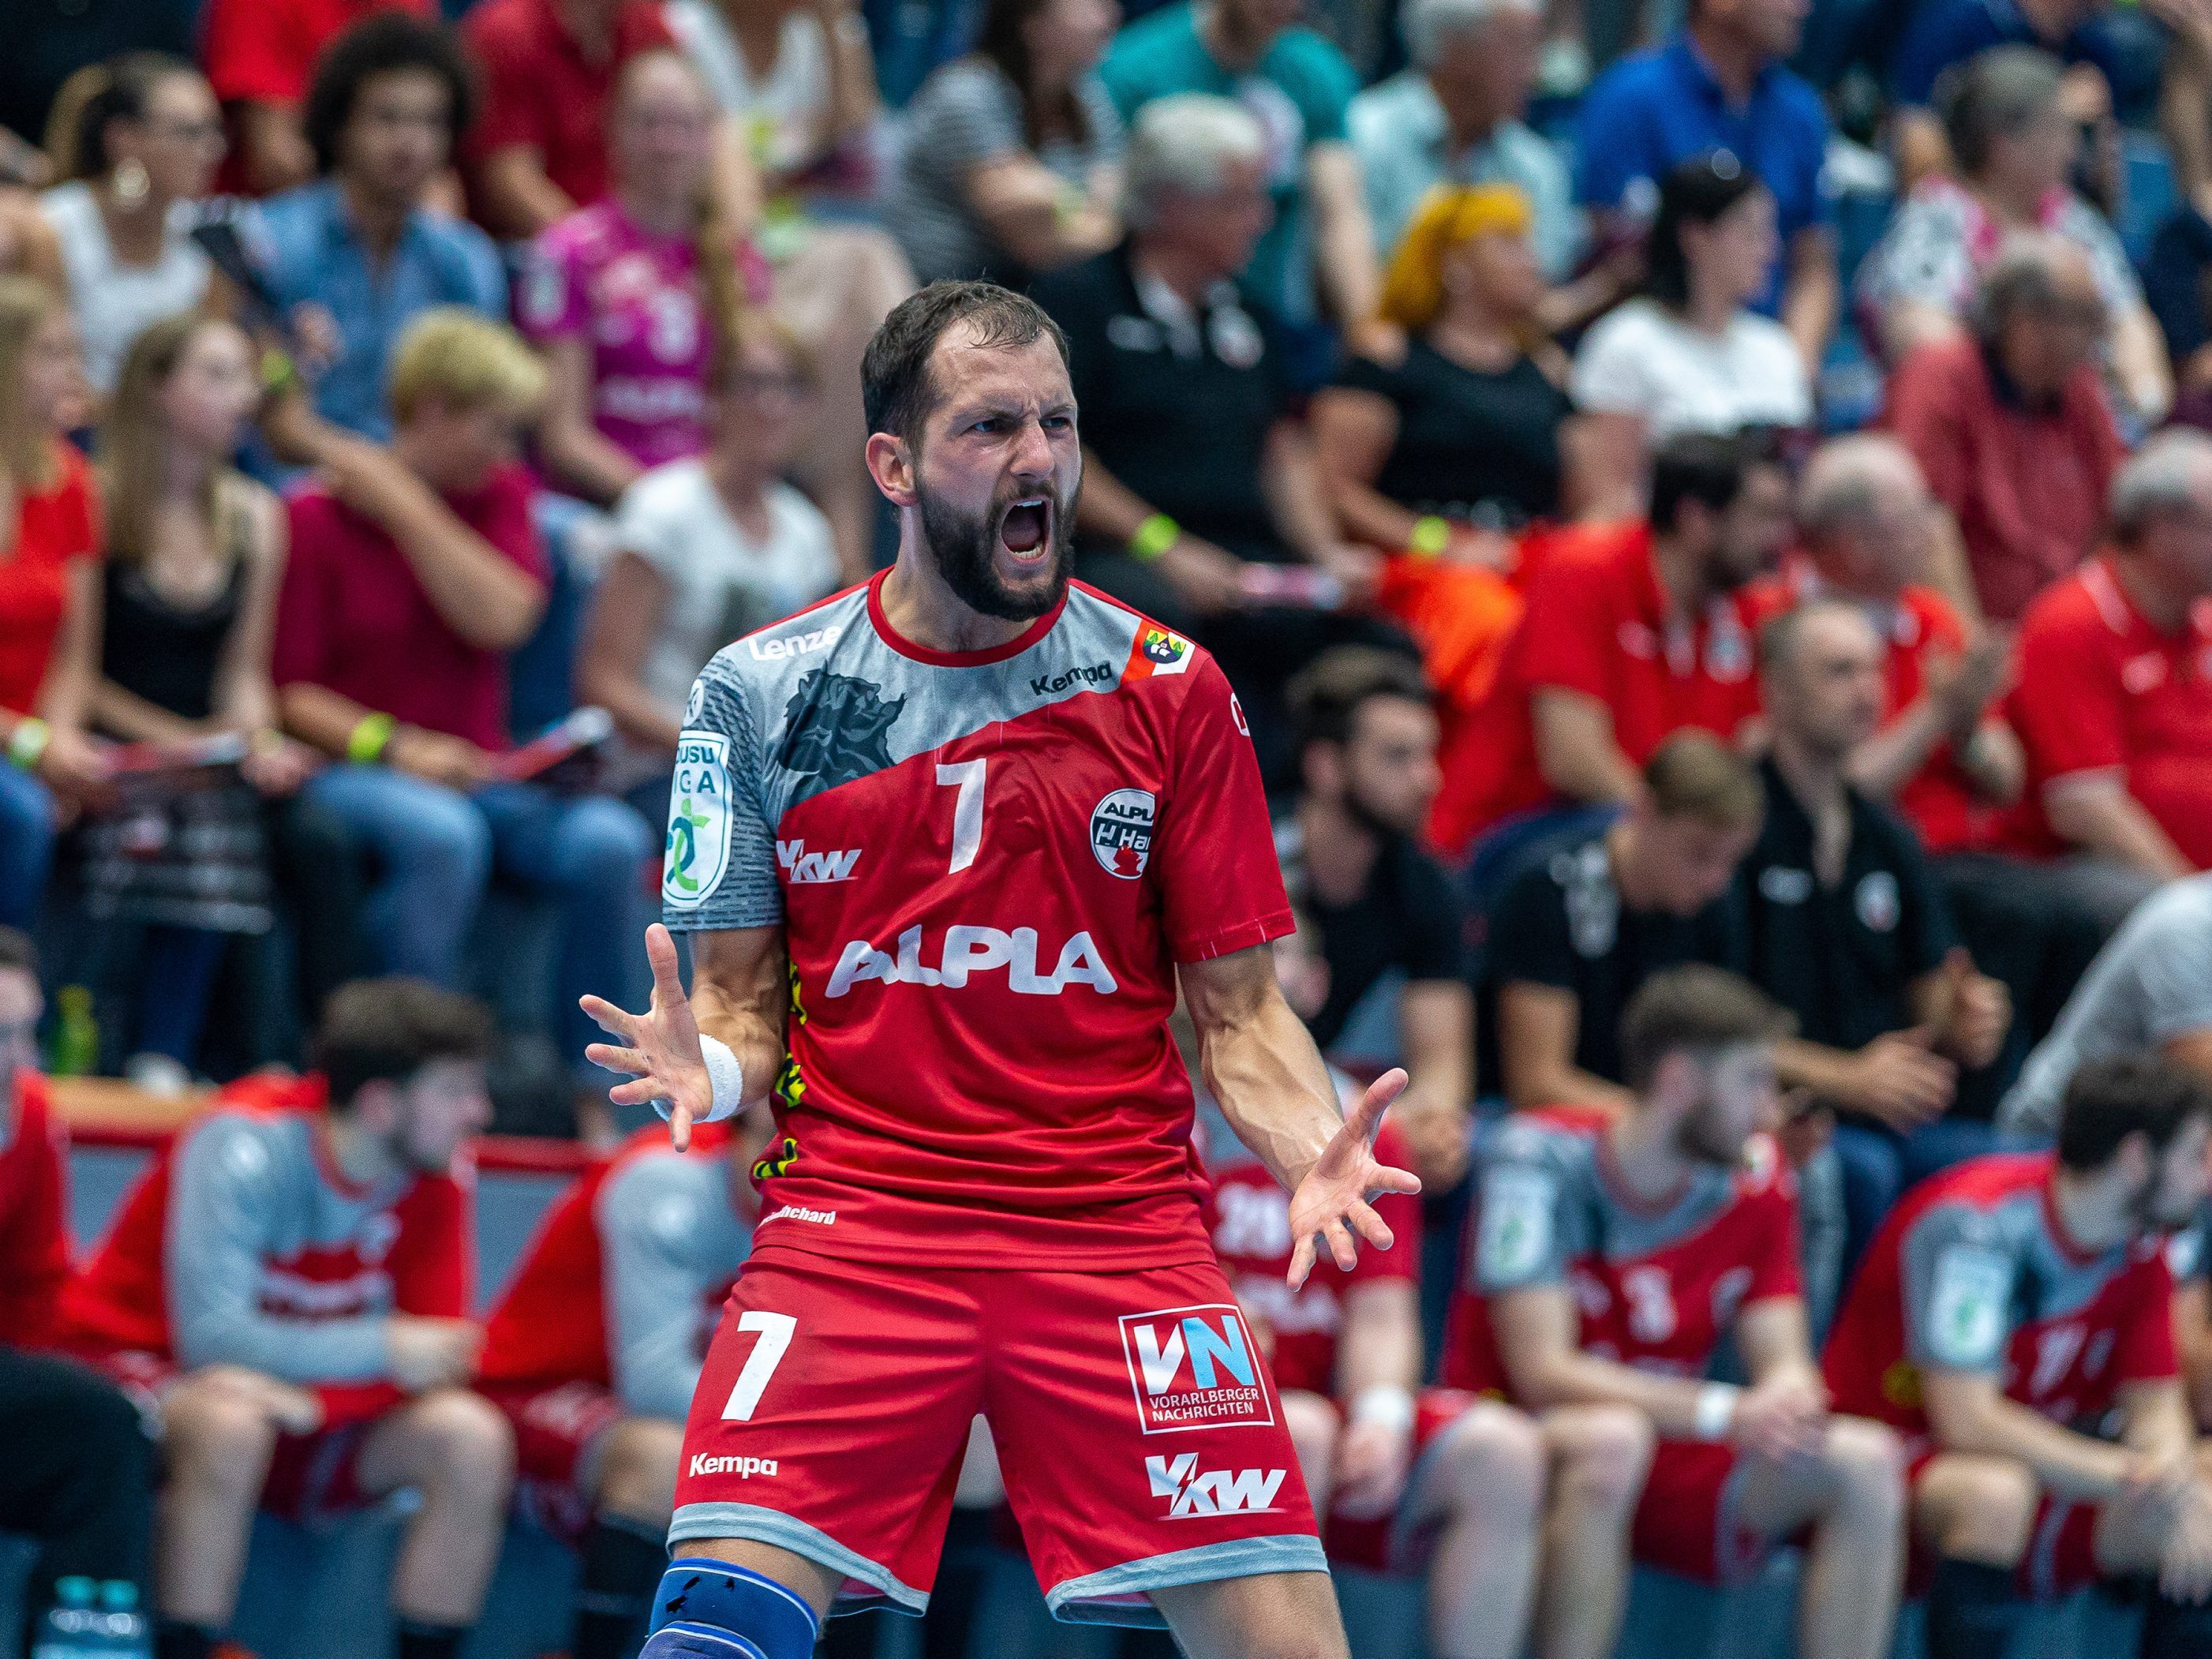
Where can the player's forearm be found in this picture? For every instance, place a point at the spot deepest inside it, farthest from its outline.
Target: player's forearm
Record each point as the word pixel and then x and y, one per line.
pixel 1379 1346
pixel 2100 816
pixel 740 996
pixel 2067 1464
pixel 1268 1079
pixel 2158 1421
pixel 1575 1378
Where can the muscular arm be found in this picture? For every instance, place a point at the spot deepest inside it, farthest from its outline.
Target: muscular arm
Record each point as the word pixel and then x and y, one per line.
pixel 1969 1414
pixel 1379 1345
pixel 2158 1421
pixel 1576 749
pixel 1260 1063
pixel 1536 1029
pixel 741 992
pixel 1776 1346
pixel 1536 1328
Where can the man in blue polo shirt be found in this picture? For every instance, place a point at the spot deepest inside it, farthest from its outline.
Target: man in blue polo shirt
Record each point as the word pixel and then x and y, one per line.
pixel 357 256
pixel 1720 84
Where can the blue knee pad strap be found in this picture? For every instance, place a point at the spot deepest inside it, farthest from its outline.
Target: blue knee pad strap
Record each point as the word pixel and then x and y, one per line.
pixel 708 1609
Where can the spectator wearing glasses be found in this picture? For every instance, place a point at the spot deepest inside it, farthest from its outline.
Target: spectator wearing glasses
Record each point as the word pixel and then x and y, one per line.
pixel 137 141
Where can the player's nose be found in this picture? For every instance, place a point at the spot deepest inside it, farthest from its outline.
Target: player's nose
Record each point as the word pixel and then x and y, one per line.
pixel 1032 458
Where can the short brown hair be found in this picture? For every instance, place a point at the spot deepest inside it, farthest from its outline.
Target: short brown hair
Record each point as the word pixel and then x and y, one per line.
pixel 385 1030
pixel 895 389
pixel 1694 774
pixel 1326 696
pixel 2123 1095
pixel 1693 1008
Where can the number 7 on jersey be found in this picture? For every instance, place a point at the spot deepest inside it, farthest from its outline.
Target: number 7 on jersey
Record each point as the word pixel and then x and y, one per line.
pixel 967 776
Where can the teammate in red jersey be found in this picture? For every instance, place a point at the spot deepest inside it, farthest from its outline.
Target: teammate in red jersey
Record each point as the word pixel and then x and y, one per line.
pixel 2014 1320
pixel 34 1180
pixel 289 1286
pixel 1607 1261
pixel 968 827
pixel 594 1351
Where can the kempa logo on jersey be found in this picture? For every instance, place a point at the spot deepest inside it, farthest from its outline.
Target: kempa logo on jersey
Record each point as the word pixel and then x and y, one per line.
pixel 797 645
pixel 1217 1491
pixel 801 865
pixel 1047 685
pixel 1193 1368
pixel 1121 832
pixel 968 951
pixel 744 1468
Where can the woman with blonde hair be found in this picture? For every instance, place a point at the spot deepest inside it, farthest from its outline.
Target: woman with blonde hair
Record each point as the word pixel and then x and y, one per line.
pixel 1458 444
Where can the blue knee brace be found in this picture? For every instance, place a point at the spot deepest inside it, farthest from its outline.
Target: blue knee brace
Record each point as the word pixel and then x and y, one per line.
pixel 707 1609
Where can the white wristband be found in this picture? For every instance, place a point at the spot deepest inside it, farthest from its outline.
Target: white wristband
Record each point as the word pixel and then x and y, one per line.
pixel 722 1072
pixel 1385 1403
pixel 1714 1414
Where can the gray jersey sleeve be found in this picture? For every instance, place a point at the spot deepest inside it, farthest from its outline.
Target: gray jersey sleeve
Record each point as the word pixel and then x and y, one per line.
pixel 222 1193
pixel 664 1223
pixel 719 870
pixel 1529 1227
pixel 2174 973
pixel 1958 1274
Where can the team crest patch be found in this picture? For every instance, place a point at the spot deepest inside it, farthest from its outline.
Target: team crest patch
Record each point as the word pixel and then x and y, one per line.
pixel 1157 652
pixel 835 729
pixel 1121 832
pixel 697 855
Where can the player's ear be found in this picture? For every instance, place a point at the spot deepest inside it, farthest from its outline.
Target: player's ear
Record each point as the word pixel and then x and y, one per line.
pixel 891 465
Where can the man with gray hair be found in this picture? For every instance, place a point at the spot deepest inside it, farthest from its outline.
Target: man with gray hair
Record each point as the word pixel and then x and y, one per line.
pixel 2011 426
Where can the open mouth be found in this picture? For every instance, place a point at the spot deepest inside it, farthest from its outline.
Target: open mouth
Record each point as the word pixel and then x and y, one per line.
pixel 1025 530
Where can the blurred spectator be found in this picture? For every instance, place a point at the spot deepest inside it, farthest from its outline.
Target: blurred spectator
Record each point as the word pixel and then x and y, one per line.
pixel 1689 355
pixel 1366 772
pixel 28 246
pixel 1012 159
pixel 1838 915
pixel 137 142
pixel 549 67
pixel 2177 290
pixel 2150 990
pixel 2010 427
pixel 195 552
pixel 1462 431
pixel 261 57
pixel 49 586
pixel 287 1291
pixel 1457 117
pixel 356 257
pixel 2111 703
pixel 34 1252
pixel 795 76
pixel 2014 143
pixel 708 550
pixel 1317 258
pixel 1720 85
pixel 1586 922
pixel 413 573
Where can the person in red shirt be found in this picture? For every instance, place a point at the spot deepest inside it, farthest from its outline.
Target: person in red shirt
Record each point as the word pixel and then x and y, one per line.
pixel 413 572
pixel 289 1287
pixel 2113 700
pixel 2011 426
pixel 1607 1260
pixel 2012 1321
pixel 539 149
pixel 33 1152
pixel 1625 639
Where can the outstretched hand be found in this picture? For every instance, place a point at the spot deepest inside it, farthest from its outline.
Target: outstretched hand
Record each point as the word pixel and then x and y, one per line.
pixel 659 1048
pixel 1331 1202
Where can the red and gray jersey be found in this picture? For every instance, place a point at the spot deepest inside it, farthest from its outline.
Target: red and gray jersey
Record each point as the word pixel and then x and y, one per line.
pixel 987 866
pixel 1973 1272
pixel 1657 1284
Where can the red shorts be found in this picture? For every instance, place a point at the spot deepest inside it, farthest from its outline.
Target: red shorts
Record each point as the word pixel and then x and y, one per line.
pixel 1139 1434
pixel 557 1430
pixel 2062 1544
pixel 1401 1542
pixel 1685 1521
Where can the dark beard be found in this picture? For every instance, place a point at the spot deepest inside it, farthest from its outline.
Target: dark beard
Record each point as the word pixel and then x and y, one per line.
pixel 961 545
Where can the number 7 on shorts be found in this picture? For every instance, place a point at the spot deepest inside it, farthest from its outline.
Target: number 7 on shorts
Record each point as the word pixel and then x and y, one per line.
pixel 776 1331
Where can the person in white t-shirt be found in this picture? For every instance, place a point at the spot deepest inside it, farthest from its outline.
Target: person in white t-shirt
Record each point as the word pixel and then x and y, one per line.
pixel 1689 355
pixel 708 550
pixel 796 74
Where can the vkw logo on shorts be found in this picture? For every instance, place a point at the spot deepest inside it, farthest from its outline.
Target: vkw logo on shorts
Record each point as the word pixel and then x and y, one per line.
pixel 1121 832
pixel 1195 1368
pixel 1212 1491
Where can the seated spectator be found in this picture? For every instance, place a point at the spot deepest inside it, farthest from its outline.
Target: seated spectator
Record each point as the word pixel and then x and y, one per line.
pixel 2109 703
pixel 80 1472
pixel 1689 355
pixel 289 1286
pixel 1628 637
pixel 2014 1322
pixel 2175 289
pixel 2149 991
pixel 49 588
pixel 194 554
pixel 2013 143
pixel 2011 427
pixel 1461 439
pixel 2192 1314
pixel 595 1349
pixel 1608 1261
pixel 797 79
pixel 1587 921
pixel 1366 773
pixel 1012 160
pixel 413 571
pixel 28 246
pixel 261 58
pixel 547 70
pixel 357 255
pixel 1719 84
pixel 1317 258
pixel 143 150
pixel 1836 914
pixel 707 550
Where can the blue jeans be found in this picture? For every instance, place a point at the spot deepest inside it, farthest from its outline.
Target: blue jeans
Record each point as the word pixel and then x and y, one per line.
pixel 26 846
pixel 1879 1164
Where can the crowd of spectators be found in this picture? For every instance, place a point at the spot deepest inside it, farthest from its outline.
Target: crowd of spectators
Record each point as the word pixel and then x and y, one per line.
pixel 396 414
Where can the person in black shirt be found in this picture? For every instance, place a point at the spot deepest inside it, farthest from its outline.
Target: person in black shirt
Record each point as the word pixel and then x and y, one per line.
pixel 1455 444
pixel 1585 924
pixel 1367 767
pixel 1837 916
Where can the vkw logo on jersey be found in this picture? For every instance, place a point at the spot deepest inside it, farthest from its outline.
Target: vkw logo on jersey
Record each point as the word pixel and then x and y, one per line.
pixel 698 850
pixel 1215 1491
pixel 1195 1368
pixel 800 866
pixel 1121 832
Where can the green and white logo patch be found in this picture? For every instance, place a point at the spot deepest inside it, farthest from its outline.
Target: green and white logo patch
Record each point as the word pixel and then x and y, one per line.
pixel 698 851
pixel 1968 1308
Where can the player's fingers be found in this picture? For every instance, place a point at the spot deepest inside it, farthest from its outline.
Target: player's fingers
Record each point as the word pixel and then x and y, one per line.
pixel 1341 1250
pixel 610 1018
pixel 667 976
pixel 1302 1261
pixel 679 1128
pixel 1388 1178
pixel 1367 1117
pixel 616 1060
pixel 639 1091
pixel 1371 1226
